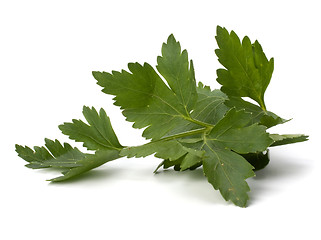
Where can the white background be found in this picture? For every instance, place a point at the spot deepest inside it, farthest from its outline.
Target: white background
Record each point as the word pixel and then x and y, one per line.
pixel 47 52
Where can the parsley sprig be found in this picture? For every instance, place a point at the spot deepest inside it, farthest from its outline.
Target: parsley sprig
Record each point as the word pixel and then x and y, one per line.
pixel 188 124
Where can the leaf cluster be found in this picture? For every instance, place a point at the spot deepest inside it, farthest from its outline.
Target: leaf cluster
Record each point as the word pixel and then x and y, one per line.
pixel 188 125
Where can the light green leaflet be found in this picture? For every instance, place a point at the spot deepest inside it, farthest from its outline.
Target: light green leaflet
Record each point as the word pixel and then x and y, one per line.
pixel 188 124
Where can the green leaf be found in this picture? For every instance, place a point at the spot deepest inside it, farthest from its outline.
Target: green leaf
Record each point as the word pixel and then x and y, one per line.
pixel 260 116
pixel 209 109
pixel 174 66
pixel 248 72
pixel 287 139
pixel 52 155
pixel 88 163
pixel 191 161
pixel 234 132
pixel 210 106
pixel 69 160
pixel 227 172
pixel 145 98
pixel 225 169
pixel 99 134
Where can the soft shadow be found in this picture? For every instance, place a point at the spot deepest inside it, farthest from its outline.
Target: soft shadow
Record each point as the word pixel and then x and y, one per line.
pixel 191 184
pixel 280 169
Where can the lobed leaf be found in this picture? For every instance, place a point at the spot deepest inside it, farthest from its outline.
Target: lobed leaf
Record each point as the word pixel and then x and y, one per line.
pixel 209 109
pixel 248 72
pixel 146 100
pixel 53 155
pixel 174 66
pixel 70 160
pixel 98 135
pixel 235 133
pixel 287 139
pixel 88 163
pixel 266 118
pixel 227 172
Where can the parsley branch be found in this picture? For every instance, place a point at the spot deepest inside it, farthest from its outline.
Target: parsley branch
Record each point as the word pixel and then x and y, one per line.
pixel 189 125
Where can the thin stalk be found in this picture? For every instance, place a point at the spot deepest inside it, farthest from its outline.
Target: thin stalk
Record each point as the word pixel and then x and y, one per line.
pixel 199 122
pixel 262 105
pixel 183 134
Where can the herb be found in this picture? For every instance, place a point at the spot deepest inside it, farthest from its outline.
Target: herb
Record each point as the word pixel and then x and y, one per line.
pixel 188 124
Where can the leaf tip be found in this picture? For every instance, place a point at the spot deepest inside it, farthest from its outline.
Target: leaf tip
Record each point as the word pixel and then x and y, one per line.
pixel 219 28
pixel 171 38
pixel 96 74
pixel 19 149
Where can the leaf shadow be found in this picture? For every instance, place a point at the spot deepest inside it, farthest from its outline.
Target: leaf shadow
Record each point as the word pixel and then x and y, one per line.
pixel 191 184
pixel 194 186
pixel 280 170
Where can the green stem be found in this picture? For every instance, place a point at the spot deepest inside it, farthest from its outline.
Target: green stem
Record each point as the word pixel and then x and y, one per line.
pixel 184 134
pixel 172 137
pixel 199 122
pixel 262 105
